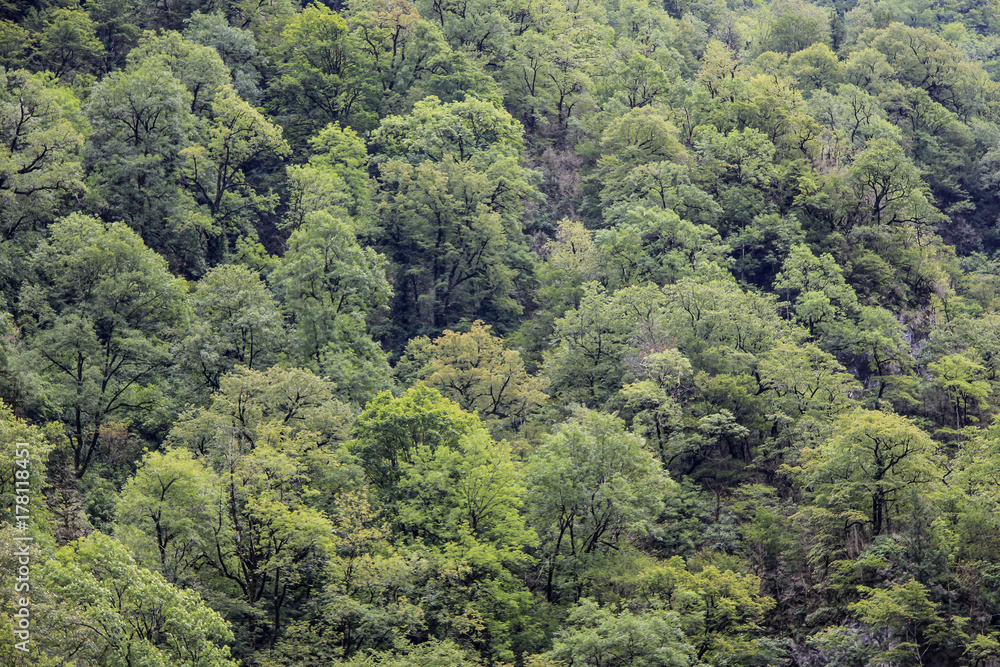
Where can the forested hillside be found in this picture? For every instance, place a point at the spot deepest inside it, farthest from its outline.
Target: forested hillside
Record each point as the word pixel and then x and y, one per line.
pixel 525 333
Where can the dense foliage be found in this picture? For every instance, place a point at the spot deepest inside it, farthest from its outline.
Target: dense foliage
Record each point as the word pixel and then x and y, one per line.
pixel 518 332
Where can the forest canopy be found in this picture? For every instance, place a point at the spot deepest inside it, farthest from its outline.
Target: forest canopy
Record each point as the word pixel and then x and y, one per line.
pixel 524 333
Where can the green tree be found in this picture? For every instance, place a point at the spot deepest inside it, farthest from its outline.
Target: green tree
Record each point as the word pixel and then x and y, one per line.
pixel 322 73
pixel 599 637
pixel 475 370
pixel 816 67
pixel 113 612
pixel 652 245
pixel 236 46
pixel 452 495
pixel 15 43
pixel 961 378
pixel 390 430
pixel 23 447
pixel 165 513
pixel 793 25
pixel 235 322
pixel 459 509
pixel 330 284
pixel 68 45
pixel 720 609
pixel 865 472
pixel 886 181
pixel 592 486
pixel 595 340
pixel 914 621
pixel 214 170
pixel 41 138
pixel 428 654
pixel 141 122
pixel 116 25
pixel 335 178
pixel 248 400
pixel 916 57
pixel 410 58
pixel 547 76
pixel 823 301
pixel 806 380
pixel 268 445
pixel 101 314
pixel 880 338
pixel 450 202
pixel 198 67
pixel 19 384
pixel 849 119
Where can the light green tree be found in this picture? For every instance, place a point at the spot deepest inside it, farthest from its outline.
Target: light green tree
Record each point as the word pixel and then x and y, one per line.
pixel 822 300
pixel 914 622
pixel 165 513
pixel 475 370
pixel 592 486
pixel 113 612
pixel 963 380
pixel 322 72
pixel 867 470
pixel 888 184
pixel 599 637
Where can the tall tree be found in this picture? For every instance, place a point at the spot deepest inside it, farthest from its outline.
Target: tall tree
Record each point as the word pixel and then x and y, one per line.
pixel 330 283
pixel 450 206
pixel 101 314
pixel 865 472
pixel 41 138
pixel 236 322
pixel 593 487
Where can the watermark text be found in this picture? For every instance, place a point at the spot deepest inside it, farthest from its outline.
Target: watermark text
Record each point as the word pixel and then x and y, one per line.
pixel 22 517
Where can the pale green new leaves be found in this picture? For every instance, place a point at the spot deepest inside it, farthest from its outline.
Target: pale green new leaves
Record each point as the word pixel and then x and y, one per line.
pixel 390 430
pixel 475 370
pixel 198 67
pixel 962 379
pixel 471 490
pixel 268 444
pixel 471 130
pixel 118 614
pixel 886 180
pixel 165 512
pixel 335 179
pixel 804 379
pixel 597 636
pixel 249 399
pixel 824 302
pixel 868 468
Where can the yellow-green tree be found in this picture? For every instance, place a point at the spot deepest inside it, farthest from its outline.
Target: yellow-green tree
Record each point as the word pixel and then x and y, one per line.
pixel 867 471
pixel 475 370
